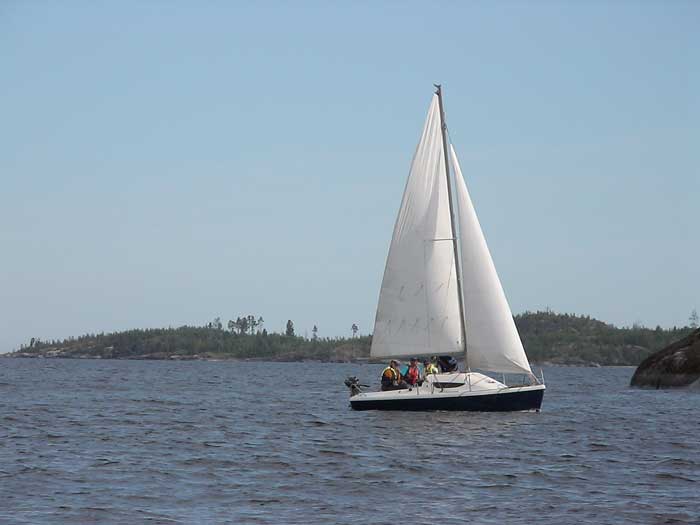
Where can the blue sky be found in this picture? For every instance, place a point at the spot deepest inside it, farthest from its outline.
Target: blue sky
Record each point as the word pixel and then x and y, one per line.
pixel 163 163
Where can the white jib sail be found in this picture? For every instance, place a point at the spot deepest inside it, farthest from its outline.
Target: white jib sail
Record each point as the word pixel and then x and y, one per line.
pixel 493 342
pixel 418 311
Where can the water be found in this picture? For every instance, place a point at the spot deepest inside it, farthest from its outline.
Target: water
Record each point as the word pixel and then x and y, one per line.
pixel 207 442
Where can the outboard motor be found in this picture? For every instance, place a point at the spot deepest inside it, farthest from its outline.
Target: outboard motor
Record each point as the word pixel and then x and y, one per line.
pixel 354 385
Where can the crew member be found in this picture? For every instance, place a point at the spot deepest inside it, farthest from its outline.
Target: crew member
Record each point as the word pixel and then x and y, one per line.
pixel 447 364
pixel 391 377
pixel 429 368
pixel 412 375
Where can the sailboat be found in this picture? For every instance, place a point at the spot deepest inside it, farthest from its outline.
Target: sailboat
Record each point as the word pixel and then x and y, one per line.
pixel 441 295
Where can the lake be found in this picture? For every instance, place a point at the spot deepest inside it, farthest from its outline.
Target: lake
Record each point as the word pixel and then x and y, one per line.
pixel 90 441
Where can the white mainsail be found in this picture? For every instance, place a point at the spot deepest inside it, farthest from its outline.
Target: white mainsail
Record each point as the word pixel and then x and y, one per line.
pixel 418 311
pixel 493 342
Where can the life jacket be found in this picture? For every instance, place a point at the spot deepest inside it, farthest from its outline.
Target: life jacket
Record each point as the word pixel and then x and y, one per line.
pixel 393 375
pixel 412 375
pixel 431 369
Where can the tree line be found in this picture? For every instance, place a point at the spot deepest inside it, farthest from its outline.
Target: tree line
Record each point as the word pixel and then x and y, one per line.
pixel 547 337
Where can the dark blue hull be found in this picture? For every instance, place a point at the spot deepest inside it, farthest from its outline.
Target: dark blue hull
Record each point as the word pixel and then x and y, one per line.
pixel 506 402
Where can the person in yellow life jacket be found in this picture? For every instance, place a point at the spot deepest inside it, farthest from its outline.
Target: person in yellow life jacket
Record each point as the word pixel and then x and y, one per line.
pixel 391 377
pixel 429 368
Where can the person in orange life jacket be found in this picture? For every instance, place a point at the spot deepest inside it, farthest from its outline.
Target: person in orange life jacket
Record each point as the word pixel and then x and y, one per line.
pixel 391 377
pixel 412 375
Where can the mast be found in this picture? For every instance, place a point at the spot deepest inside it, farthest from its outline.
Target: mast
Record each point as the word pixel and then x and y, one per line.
pixel 458 269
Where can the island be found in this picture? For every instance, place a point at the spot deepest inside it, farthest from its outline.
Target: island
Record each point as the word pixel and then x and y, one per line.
pixel 548 338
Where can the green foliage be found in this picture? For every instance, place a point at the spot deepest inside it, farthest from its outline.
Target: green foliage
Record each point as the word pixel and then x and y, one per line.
pixel 573 339
pixel 289 331
pixel 547 337
pixel 190 342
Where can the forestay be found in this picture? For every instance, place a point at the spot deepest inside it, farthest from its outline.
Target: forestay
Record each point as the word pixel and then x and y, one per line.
pixel 493 342
pixel 418 311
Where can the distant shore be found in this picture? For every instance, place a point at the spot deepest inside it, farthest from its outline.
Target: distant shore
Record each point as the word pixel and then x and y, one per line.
pixel 19 355
pixel 550 339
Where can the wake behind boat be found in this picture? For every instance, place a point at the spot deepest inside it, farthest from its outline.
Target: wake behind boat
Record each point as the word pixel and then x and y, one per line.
pixel 441 295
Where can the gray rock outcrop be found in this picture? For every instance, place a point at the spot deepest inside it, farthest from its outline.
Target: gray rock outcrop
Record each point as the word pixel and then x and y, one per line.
pixel 677 365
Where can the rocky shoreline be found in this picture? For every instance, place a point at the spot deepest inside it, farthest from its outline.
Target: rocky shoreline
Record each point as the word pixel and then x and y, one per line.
pixel 677 365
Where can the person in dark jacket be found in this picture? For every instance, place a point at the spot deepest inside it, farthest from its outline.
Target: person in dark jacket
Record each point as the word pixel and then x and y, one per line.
pixel 447 364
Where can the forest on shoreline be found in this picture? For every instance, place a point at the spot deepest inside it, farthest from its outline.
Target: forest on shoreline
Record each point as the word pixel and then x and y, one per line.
pixel 548 338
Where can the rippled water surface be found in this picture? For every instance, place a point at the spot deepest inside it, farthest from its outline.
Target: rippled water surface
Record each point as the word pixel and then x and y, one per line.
pixel 224 442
